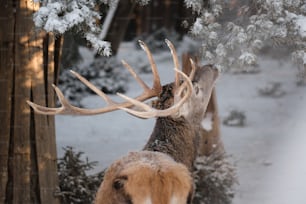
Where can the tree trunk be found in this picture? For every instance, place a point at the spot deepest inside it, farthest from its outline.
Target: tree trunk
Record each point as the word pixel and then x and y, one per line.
pixel 28 66
pixel 119 24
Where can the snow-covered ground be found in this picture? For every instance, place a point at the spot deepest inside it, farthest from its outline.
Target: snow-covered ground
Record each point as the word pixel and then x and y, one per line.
pixel 269 151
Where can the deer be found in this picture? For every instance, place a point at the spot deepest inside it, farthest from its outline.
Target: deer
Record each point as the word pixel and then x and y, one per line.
pixel 160 173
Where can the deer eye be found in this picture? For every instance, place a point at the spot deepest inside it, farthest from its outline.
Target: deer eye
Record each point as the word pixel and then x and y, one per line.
pixel 119 183
pixel 196 89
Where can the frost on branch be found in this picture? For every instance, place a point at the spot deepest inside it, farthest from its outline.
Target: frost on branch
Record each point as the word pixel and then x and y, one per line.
pixel 247 62
pixel 142 2
pixel 233 32
pixel 81 16
pixel 197 27
pixel 196 5
pixel 102 47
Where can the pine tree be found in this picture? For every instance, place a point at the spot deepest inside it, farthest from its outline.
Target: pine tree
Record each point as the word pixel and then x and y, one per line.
pixel 232 33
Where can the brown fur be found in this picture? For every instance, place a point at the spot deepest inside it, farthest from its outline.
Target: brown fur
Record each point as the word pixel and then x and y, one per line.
pixel 210 141
pixel 179 136
pixel 175 137
pixel 145 175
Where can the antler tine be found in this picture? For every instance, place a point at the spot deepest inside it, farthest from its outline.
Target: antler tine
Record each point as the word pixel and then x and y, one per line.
pixel 151 112
pixel 66 107
pixel 136 77
pixel 175 61
pixel 193 69
pixel 179 90
pixel 44 110
pixel 156 83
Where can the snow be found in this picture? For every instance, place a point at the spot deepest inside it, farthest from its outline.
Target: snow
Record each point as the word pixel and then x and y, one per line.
pixel 197 26
pixel 207 122
pixel 269 151
pixel 247 58
pixel 301 22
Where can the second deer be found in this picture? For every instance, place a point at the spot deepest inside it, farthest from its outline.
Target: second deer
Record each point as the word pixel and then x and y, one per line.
pixel 161 172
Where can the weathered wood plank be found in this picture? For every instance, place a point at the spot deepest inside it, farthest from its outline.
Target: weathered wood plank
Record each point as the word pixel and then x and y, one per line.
pixel 44 125
pixel 28 170
pixel 6 72
pixel 21 123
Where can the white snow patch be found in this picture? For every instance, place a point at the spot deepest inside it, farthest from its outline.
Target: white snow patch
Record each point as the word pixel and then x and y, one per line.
pixel 207 123
pixel 197 27
pixel 147 201
pixel 301 22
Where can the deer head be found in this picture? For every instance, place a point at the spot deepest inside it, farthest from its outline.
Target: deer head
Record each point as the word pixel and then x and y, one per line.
pixel 161 172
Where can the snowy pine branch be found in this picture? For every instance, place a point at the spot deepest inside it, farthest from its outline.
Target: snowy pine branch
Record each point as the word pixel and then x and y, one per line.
pixel 232 33
pixel 61 16
pixel 82 16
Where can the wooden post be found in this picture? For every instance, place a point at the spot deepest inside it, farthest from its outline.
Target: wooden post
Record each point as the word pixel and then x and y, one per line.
pixel 27 141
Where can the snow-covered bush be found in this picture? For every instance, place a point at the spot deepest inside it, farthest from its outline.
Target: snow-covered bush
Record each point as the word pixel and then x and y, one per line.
pixel 105 73
pixel 235 118
pixel 272 89
pixel 215 178
pixel 75 185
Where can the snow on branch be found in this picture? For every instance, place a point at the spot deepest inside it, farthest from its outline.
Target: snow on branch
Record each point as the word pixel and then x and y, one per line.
pixel 82 16
pixel 61 16
pixel 232 32
pixel 142 2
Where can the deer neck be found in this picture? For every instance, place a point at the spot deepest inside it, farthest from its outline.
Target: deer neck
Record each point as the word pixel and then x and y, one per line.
pixel 175 137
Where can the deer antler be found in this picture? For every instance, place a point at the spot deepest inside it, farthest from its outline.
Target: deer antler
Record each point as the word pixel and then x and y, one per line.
pixel 67 108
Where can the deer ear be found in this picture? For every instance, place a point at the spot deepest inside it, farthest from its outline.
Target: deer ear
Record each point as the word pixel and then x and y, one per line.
pixel 119 182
